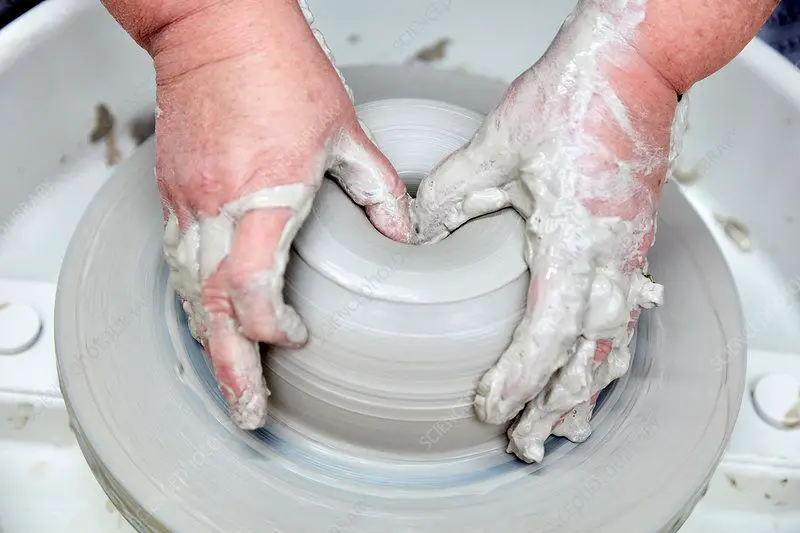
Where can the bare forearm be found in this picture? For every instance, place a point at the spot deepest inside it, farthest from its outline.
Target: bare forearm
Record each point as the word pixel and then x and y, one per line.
pixel 143 18
pixel 184 35
pixel 688 40
pixel 219 25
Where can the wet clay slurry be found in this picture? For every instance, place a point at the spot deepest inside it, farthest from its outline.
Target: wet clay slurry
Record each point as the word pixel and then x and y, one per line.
pixel 399 334
pixel 163 447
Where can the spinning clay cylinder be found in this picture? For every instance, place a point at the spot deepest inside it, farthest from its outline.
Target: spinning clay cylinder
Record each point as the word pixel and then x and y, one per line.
pixel 399 334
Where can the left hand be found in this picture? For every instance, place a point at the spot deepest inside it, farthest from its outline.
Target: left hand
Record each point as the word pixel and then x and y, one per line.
pixel 580 146
pixel 253 115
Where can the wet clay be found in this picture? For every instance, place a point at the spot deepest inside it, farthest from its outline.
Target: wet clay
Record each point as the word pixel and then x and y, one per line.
pixel 381 355
pixel 589 294
pixel 399 334
pixel 570 379
pixel 195 255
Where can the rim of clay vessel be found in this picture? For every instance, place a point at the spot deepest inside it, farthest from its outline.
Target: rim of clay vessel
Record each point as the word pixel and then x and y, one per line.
pixel 399 334
pixel 338 241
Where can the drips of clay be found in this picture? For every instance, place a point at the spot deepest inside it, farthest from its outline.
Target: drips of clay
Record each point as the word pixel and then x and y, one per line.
pixel 164 450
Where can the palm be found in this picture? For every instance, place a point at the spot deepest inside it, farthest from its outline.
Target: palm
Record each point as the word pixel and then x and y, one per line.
pixel 579 172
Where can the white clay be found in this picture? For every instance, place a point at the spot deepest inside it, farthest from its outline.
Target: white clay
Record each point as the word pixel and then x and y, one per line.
pixel 379 424
pixel 586 295
pixel 606 299
pixel 196 254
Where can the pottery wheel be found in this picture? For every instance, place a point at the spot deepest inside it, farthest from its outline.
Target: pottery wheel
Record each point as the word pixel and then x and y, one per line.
pixel 371 425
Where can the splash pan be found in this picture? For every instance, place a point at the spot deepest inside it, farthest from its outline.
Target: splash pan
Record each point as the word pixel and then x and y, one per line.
pixel 347 447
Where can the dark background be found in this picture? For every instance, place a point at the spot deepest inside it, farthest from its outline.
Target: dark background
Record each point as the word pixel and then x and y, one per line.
pixel 11 9
pixel 782 30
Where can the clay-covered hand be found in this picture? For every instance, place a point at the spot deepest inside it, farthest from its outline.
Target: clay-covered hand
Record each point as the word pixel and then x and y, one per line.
pixel 580 146
pixel 249 121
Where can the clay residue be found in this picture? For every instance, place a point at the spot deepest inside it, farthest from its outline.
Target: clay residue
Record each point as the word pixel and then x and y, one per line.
pixel 736 231
pixel 687 176
pixel 142 127
pixel 103 124
pixel 103 130
pixel 23 415
pixel 791 420
pixel 435 52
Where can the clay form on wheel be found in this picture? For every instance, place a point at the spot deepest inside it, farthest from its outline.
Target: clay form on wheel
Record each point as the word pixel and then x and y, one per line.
pixel 373 426
pixel 400 334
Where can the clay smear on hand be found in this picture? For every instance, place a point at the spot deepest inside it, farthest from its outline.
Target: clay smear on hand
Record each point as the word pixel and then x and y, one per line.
pixel 546 152
pixel 195 254
pixel 231 293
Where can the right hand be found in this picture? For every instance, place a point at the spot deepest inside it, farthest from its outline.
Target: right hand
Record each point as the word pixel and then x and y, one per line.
pixel 580 146
pixel 252 115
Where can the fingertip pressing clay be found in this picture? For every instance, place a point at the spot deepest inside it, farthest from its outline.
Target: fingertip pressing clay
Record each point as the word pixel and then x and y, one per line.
pixel 371 424
pixel 20 326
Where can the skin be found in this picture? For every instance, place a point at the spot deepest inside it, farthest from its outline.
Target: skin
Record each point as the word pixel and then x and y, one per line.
pixel 679 43
pixel 249 101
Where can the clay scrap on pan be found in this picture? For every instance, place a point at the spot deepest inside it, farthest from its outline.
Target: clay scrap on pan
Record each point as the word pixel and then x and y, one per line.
pixel 104 130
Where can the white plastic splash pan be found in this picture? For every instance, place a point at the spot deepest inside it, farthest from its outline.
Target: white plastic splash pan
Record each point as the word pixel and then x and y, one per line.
pixel 67 56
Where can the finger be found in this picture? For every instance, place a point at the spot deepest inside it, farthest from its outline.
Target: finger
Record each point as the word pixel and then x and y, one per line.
pixel 235 359
pixel 257 264
pixel 576 426
pixel 241 265
pixel 237 367
pixel 565 408
pixel 520 198
pixel 557 301
pixel 514 194
pixel 602 351
pixel 485 163
pixel 180 253
pixel 370 180
pixel 571 385
pixel 480 203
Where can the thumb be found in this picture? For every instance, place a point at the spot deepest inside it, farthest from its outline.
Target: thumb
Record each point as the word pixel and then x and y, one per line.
pixel 371 181
pixel 471 182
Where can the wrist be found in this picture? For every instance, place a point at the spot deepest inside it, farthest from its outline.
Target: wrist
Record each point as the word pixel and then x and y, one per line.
pixel 633 105
pixel 686 41
pixel 144 18
pixel 220 31
pixel 609 32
